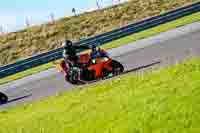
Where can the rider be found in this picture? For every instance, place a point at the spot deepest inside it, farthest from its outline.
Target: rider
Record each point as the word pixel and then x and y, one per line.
pixel 70 56
pixel 95 53
pixel 69 52
pixel 102 52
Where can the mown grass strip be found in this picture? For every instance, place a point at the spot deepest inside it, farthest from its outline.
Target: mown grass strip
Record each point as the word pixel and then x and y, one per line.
pixel 123 41
pixel 154 31
pixel 165 100
pixel 26 73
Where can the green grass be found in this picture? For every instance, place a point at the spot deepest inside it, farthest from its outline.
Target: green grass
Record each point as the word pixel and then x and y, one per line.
pixel 161 101
pixel 123 41
pixel 156 30
pixel 26 73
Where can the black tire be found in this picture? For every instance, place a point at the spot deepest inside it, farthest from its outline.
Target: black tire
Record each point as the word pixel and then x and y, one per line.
pixel 67 78
pixel 73 77
pixel 88 75
pixel 71 80
pixel 117 67
pixel 3 98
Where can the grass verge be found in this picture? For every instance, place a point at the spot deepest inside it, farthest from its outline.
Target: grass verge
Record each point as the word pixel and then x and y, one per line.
pixel 165 100
pixel 154 31
pixel 123 41
pixel 26 73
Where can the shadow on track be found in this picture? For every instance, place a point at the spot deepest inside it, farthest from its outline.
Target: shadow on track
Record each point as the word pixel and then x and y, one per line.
pixel 13 100
pixel 141 67
pixel 125 72
pixel 19 98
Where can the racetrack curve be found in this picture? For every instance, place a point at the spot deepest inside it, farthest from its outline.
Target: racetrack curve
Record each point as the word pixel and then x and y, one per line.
pixel 168 52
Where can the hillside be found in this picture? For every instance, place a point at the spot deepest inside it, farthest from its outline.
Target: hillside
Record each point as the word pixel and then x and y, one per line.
pixel 165 100
pixel 36 39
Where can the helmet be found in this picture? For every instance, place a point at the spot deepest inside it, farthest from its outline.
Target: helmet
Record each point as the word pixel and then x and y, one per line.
pixel 67 43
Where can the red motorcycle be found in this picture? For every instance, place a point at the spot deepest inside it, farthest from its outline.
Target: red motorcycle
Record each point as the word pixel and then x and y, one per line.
pixel 87 69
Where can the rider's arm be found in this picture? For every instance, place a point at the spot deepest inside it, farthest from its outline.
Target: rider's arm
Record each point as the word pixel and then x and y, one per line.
pixel 82 47
pixel 64 54
pixel 103 52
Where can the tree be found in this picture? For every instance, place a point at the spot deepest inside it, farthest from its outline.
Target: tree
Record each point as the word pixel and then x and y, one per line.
pixel 52 17
pixel 116 2
pixel 74 11
pixel 27 22
pixel 1 30
pixel 98 3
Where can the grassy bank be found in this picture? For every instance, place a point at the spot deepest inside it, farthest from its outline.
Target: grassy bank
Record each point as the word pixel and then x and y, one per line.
pixel 165 100
pixel 36 39
pixel 123 41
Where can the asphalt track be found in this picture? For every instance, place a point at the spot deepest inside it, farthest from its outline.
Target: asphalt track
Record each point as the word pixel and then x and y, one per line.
pixel 170 51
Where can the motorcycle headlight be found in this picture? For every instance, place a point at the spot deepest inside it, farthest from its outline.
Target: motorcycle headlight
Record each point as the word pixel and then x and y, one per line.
pixel 93 61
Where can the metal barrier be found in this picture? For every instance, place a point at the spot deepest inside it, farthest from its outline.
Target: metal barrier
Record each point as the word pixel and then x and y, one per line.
pixel 101 38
